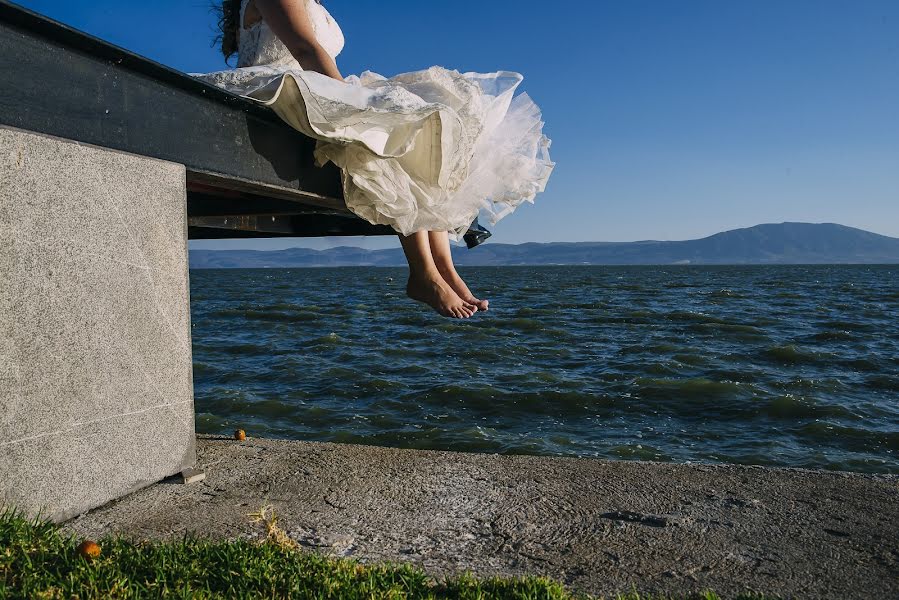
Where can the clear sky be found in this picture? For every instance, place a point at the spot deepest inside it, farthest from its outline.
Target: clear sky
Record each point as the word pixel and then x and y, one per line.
pixel 668 120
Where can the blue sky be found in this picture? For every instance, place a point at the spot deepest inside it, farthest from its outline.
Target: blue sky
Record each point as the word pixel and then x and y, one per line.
pixel 668 120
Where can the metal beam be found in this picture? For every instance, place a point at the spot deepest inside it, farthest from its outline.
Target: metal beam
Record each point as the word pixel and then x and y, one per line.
pixel 273 225
pixel 62 82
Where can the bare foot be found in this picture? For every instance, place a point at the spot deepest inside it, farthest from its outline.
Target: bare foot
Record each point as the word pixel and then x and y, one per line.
pixel 455 281
pixel 436 293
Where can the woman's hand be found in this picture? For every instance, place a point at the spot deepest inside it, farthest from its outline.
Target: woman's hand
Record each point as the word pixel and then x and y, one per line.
pixel 289 20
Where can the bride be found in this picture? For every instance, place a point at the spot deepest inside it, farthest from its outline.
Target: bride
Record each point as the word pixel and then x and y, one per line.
pixel 424 152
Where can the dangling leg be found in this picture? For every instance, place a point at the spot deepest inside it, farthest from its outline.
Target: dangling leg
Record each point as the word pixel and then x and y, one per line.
pixel 443 258
pixel 425 282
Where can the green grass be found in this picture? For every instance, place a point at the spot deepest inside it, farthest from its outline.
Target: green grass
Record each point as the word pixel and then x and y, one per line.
pixel 38 561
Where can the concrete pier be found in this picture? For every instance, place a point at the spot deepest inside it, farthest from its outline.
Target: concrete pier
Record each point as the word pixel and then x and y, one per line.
pixel 599 526
pixel 96 395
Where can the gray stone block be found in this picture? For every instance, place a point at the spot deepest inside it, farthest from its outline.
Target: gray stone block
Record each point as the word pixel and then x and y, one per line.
pixel 96 391
pixel 192 476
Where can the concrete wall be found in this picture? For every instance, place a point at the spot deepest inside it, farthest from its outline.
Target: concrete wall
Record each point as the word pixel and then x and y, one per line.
pixel 96 391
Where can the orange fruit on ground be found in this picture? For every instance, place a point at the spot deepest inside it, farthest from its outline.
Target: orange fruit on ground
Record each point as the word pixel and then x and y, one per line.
pixel 89 549
pixel 240 434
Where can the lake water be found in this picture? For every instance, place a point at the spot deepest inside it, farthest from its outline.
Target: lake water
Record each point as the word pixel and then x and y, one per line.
pixel 773 365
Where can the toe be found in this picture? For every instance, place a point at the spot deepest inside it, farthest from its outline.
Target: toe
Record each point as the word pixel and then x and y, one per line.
pixel 481 304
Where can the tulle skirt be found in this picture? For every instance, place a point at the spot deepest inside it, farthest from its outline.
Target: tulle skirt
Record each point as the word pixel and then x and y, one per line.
pixel 425 150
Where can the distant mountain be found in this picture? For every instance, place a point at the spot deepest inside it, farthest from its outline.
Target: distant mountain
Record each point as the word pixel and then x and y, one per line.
pixel 784 243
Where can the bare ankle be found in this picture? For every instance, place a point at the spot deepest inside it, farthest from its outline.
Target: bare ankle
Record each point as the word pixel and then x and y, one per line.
pixel 426 276
pixel 446 269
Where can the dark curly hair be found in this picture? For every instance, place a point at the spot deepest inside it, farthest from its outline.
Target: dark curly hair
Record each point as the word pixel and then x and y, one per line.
pixel 228 13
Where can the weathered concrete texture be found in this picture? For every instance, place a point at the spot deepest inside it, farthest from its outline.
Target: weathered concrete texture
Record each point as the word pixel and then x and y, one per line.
pixel 599 526
pixel 96 395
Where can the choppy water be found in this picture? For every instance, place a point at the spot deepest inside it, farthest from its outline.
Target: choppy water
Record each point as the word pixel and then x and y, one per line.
pixel 791 366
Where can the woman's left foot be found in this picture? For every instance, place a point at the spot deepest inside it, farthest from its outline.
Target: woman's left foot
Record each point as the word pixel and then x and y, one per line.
pixel 458 284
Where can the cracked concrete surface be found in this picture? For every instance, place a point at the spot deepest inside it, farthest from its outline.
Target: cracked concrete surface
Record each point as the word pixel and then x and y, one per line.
pixel 598 526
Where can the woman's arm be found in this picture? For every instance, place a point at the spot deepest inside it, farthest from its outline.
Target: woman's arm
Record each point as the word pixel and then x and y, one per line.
pixel 289 20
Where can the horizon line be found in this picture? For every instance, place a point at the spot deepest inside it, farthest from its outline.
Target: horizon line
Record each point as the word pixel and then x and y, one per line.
pixel 532 242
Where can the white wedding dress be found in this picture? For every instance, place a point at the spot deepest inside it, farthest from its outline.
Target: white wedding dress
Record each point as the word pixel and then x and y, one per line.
pixel 425 150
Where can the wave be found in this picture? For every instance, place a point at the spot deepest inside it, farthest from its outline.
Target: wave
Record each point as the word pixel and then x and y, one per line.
pixel 706 392
pixel 265 315
pixel 793 354
pixel 883 382
pixel 833 336
pixel 793 407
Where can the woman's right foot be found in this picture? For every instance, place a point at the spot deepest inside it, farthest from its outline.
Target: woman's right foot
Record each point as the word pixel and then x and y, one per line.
pixel 437 294
pixel 455 281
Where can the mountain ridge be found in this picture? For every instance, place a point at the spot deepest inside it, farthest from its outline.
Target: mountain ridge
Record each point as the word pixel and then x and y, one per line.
pixel 768 243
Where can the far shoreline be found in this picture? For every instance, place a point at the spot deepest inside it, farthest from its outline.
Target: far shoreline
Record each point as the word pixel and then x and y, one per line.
pixel 629 265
